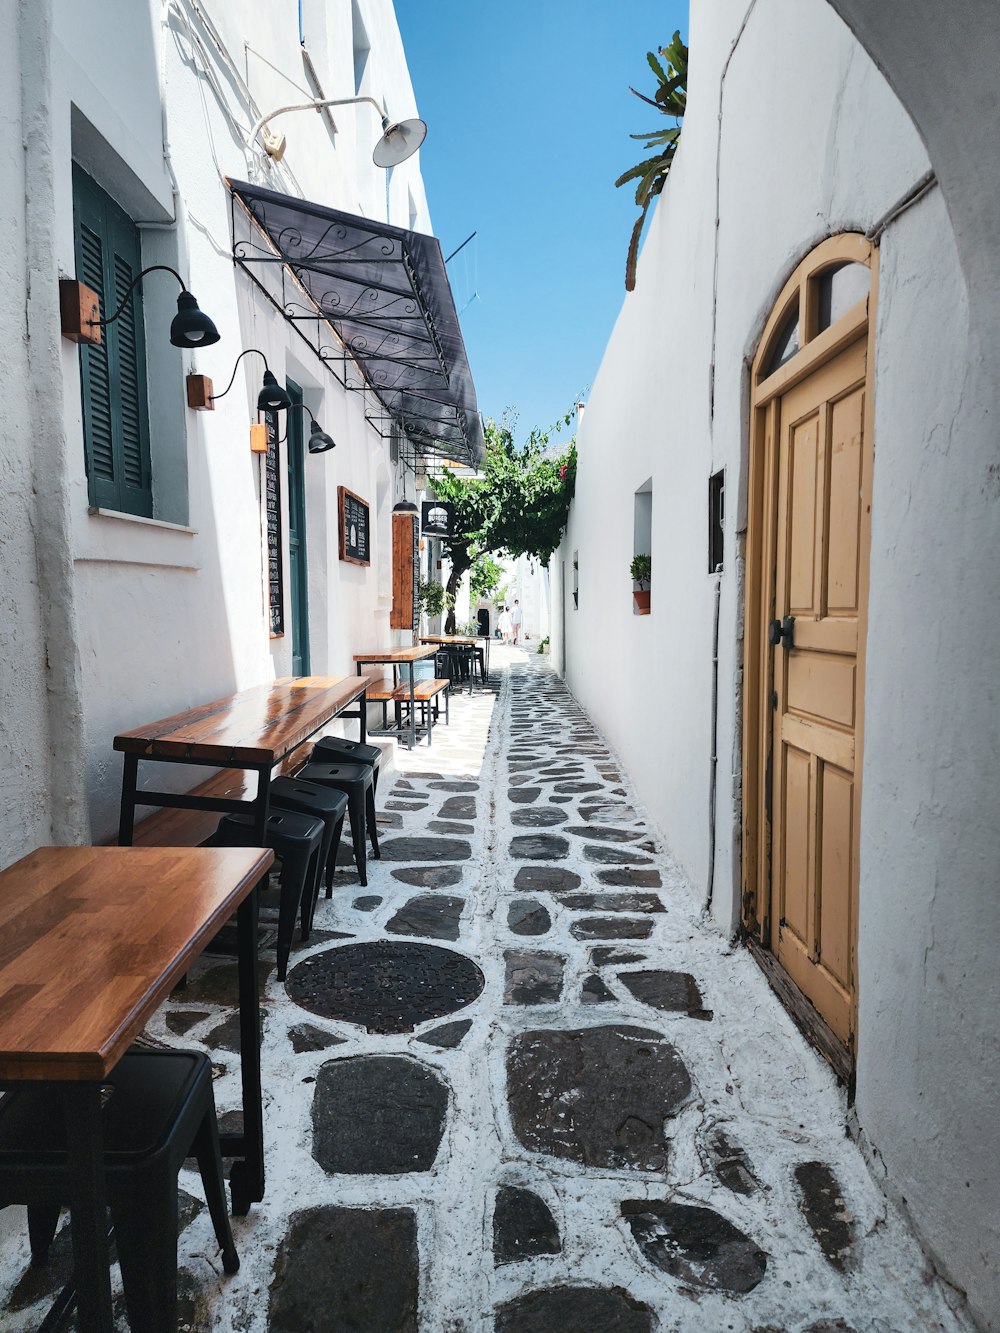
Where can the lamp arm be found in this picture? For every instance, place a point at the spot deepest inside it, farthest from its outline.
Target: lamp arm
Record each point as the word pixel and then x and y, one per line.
pixel 312 419
pixel 315 105
pixel 132 286
pixel 215 396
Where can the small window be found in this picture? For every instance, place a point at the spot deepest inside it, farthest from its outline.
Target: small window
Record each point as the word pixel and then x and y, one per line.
pixel 576 580
pixel 838 289
pixel 716 520
pixel 786 343
pixel 642 542
pixel 113 372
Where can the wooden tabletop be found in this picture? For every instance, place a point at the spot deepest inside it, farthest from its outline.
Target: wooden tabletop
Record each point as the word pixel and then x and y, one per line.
pixel 463 639
pixel 395 655
pixel 92 939
pixel 257 726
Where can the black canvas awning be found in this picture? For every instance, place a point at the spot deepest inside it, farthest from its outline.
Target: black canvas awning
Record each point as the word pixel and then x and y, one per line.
pixel 385 293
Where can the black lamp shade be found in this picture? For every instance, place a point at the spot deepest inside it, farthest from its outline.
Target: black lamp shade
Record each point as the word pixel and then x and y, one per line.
pixel 319 441
pixel 191 327
pixel 272 397
pixel 405 507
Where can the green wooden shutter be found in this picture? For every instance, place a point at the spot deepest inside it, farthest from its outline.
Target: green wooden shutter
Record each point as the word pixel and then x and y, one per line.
pixel 113 374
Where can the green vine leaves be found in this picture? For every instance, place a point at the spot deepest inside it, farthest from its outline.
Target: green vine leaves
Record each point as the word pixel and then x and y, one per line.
pixel 651 174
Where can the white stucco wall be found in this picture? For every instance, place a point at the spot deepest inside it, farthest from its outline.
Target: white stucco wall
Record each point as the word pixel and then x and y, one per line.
pixel 813 142
pixel 171 616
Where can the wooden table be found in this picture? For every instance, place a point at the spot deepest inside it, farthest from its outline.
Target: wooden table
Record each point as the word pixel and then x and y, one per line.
pixel 254 730
pixel 481 641
pixel 398 658
pixel 92 939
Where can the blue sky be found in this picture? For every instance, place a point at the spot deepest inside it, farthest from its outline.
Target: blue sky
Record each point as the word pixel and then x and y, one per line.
pixel 528 114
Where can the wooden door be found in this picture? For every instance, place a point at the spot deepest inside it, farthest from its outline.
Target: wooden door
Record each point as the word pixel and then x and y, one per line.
pixel 808 537
pixel 298 577
pixel 821 435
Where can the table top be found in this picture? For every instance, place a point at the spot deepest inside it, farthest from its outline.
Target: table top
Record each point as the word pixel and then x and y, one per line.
pixel 396 655
pixel 464 639
pixel 258 726
pixel 92 939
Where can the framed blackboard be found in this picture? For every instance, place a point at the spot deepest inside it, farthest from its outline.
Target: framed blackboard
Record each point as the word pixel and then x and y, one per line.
pixel 355 544
pixel 272 493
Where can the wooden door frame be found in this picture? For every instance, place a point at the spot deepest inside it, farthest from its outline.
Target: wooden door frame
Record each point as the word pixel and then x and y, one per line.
pixel 815 350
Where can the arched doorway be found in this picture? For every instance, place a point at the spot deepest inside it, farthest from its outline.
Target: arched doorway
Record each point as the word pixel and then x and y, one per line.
pixel 808 538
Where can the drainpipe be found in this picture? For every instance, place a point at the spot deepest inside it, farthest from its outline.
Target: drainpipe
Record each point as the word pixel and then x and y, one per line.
pixel 53 524
pixel 714 760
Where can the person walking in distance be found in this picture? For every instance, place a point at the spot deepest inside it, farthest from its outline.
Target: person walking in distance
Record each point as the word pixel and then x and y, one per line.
pixel 505 625
pixel 516 620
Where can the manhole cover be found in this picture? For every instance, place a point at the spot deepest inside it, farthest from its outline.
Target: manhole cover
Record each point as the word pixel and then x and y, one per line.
pixel 385 985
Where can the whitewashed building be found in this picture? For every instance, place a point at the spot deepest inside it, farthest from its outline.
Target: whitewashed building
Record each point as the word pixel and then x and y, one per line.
pixel 134 529
pixel 796 417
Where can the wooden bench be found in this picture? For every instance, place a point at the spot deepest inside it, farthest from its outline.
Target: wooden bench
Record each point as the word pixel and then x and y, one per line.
pixel 426 695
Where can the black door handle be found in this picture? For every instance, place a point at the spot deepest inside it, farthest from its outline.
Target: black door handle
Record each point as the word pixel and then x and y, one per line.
pixel 782 632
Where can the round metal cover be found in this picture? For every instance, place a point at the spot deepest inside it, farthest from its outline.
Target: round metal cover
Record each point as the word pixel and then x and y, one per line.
pixel 385 985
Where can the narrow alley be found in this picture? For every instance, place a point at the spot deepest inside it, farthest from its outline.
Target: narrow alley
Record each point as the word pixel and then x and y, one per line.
pixel 516 1083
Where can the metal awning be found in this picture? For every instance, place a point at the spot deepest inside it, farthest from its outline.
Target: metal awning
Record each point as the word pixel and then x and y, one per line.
pixel 385 293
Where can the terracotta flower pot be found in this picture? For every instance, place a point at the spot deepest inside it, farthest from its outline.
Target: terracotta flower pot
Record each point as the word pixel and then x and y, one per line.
pixel 641 597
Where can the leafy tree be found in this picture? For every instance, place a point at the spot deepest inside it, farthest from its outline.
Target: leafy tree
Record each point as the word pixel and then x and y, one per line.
pixel 485 577
pixel 670 98
pixel 518 504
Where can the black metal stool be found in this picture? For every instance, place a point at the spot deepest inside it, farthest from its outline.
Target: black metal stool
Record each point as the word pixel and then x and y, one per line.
pixel 159 1110
pixel 357 780
pixel 325 803
pixel 335 750
pixel 297 840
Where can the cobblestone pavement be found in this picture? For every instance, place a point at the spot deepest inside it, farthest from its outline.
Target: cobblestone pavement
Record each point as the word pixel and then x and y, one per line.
pixel 522 1086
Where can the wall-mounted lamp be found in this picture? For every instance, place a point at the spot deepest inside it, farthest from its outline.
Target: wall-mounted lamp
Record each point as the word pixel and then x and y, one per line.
pixel 80 308
pixel 319 441
pixel 405 507
pixel 400 139
pixel 272 397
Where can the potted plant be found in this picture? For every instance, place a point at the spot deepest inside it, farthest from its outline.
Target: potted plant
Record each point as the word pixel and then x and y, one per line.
pixel 641 569
pixel 434 599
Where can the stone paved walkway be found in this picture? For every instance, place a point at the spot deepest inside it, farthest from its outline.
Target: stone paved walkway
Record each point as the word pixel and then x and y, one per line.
pixel 523 1087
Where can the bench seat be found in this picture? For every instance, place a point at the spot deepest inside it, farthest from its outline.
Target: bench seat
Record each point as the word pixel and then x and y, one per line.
pixel 423 690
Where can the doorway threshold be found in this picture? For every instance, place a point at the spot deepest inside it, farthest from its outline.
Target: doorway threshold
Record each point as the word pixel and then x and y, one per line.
pixel 805 1016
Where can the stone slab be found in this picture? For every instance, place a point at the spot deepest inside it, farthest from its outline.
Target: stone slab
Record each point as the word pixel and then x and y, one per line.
pixel 352 1269
pixel 825 1210
pixel 433 915
pixel 541 879
pixel 426 849
pixel 612 902
pixel 525 916
pixel 674 992
pixel 600 1096
pixel 429 877
pixel 611 928
pixel 523 1226
pixel 539 847
pixel 532 978
pixel 309 1037
pixel 458 807
pixel 377 1115
pixel 543 816
pixel 448 1035
pixel 696 1245
pixel 630 877
pixel 574 1310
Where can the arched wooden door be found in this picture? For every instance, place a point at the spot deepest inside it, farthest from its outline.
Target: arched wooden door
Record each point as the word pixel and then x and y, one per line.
pixel 808 537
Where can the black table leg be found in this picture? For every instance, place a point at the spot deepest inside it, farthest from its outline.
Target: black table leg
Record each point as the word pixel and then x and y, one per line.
pixel 260 804
pixel 246 1179
pixel 92 1276
pixel 363 718
pixel 413 711
pixel 126 819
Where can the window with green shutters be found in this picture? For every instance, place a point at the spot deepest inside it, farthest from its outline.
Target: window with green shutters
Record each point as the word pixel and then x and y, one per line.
pixel 113 372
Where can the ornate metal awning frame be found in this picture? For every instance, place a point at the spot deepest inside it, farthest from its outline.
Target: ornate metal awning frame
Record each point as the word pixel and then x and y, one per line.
pixel 384 293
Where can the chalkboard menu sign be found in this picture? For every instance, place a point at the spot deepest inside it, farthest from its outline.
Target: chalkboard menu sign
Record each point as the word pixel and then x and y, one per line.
pixel 272 491
pixel 355 546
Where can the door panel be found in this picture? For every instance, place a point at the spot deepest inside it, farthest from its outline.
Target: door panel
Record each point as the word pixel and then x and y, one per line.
pixel 820 441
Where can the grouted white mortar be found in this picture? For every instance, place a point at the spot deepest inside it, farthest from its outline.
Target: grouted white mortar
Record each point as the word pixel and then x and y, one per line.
pixel 751 1073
